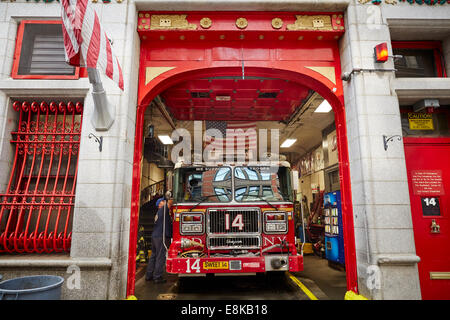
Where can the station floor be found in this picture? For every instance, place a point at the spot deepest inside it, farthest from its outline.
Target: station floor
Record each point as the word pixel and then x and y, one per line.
pixel 318 280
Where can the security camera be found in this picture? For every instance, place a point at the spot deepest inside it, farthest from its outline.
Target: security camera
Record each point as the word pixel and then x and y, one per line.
pixel 346 76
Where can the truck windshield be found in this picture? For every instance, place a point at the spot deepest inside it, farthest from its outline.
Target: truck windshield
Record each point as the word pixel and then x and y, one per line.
pixel 206 184
pixel 260 183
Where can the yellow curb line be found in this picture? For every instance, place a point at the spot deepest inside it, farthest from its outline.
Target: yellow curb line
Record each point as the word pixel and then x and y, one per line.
pixel 302 286
pixel 350 295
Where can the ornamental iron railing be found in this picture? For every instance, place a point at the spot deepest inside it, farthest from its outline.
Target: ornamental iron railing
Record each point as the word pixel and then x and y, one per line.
pixel 36 209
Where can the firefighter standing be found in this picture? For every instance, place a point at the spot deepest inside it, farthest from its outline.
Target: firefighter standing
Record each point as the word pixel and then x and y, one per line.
pixel 161 238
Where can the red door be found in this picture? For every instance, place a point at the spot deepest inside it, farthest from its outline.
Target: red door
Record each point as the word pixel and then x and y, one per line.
pixel 428 167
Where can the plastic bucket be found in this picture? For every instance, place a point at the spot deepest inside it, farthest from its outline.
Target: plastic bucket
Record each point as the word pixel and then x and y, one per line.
pixel 32 288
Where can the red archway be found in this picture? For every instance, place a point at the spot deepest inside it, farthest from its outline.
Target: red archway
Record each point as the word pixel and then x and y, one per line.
pixel 319 73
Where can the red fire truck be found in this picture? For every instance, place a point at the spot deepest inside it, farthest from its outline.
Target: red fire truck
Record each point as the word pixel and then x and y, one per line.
pixel 233 219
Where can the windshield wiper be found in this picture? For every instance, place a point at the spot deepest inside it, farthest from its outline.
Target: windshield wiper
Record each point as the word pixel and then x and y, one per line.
pixel 266 201
pixel 206 197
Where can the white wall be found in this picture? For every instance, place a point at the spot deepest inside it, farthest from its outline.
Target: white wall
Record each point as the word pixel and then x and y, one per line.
pixel 380 196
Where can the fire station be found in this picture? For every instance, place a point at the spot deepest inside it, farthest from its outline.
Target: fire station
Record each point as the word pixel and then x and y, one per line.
pixel 348 99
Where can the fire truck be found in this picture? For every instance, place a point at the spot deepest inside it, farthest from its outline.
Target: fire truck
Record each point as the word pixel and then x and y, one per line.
pixel 233 219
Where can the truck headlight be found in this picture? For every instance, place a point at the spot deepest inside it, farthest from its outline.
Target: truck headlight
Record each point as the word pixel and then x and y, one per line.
pixel 275 222
pixel 191 223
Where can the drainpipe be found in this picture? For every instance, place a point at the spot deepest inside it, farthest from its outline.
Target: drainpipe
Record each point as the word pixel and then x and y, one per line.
pixel 101 118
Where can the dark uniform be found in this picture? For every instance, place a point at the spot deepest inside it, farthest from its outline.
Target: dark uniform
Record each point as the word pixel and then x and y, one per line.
pixel 157 262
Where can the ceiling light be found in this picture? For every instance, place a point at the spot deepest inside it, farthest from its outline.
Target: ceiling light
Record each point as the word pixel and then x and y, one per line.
pixel 324 107
pixel 165 139
pixel 287 143
pixel 223 98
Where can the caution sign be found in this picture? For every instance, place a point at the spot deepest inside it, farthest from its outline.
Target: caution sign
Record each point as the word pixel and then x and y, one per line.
pixel 420 121
pixel 215 265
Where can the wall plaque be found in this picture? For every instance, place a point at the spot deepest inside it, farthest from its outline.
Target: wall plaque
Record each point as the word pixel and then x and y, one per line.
pixel 427 182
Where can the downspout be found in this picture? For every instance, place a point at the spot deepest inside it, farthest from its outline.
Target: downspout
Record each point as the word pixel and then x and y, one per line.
pixel 101 118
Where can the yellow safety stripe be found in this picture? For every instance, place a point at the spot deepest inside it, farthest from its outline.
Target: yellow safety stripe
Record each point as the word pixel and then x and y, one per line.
pixel 350 295
pixel 303 287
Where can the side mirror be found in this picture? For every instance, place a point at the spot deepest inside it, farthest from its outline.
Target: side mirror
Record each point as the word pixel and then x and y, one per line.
pixel 294 178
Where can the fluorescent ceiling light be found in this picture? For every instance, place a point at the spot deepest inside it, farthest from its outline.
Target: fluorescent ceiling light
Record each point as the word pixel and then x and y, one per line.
pixel 324 107
pixel 287 143
pixel 223 98
pixel 165 139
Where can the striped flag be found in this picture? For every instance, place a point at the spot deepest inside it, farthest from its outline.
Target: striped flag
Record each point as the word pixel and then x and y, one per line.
pixel 86 44
pixel 236 135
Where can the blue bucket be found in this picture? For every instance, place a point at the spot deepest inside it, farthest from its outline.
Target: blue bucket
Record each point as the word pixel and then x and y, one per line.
pixel 32 288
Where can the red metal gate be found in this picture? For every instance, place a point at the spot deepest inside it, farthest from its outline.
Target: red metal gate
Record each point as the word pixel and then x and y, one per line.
pixel 36 208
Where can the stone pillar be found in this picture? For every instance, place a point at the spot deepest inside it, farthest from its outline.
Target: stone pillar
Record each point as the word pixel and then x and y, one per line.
pixel 103 196
pixel 8 117
pixel 385 250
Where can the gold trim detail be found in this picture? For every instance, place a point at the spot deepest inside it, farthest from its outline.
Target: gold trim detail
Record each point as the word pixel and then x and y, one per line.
pixel 393 2
pixel 171 22
pixel 205 23
pixel 152 72
pixel 439 275
pixel 327 72
pixel 241 23
pixel 322 23
pixel 277 23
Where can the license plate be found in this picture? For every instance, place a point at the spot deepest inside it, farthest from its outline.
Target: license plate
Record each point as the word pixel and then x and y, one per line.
pixel 207 265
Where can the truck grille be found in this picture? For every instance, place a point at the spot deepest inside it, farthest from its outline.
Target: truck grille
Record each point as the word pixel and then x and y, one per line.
pixel 234 242
pixel 217 224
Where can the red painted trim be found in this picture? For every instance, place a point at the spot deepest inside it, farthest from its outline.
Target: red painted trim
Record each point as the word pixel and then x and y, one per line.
pixel 18 49
pixel 428 141
pixel 436 46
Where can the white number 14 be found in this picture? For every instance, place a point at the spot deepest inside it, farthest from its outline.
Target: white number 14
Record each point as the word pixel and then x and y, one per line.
pixel 430 201
pixel 195 266
pixel 237 222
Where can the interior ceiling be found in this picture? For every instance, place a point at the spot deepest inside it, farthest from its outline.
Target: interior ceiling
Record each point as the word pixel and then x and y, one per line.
pixel 248 101
pixel 257 99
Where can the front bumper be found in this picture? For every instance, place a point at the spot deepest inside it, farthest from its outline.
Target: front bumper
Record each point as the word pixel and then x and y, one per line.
pixel 234 265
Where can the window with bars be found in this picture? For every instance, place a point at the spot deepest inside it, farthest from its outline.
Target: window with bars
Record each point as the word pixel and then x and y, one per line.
pixel 37 207
pixel 419 59
pixel 40 53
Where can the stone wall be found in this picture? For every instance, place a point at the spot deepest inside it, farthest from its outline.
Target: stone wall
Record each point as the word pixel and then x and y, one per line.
pixel 381 210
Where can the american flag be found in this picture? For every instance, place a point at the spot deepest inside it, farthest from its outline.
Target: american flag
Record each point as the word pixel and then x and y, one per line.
pixel 86 44
pixel 236 140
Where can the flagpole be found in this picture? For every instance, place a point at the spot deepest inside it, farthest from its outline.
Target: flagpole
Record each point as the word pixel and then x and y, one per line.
pixel 101 118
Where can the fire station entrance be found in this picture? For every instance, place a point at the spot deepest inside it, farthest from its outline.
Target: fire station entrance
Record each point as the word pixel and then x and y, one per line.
pixel 265 71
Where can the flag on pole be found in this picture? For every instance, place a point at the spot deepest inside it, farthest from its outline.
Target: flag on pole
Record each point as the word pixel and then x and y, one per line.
pixel 85 41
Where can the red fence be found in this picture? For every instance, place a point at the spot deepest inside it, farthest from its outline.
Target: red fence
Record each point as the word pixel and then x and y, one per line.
pixel 37 207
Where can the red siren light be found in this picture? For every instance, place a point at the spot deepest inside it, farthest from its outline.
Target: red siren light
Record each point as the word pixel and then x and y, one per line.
pixel 381 52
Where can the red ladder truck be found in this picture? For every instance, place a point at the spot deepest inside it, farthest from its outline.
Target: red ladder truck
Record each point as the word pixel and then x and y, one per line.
pixel 234 219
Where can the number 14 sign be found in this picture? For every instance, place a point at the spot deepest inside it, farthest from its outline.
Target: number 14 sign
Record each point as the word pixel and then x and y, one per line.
pixel 430 206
